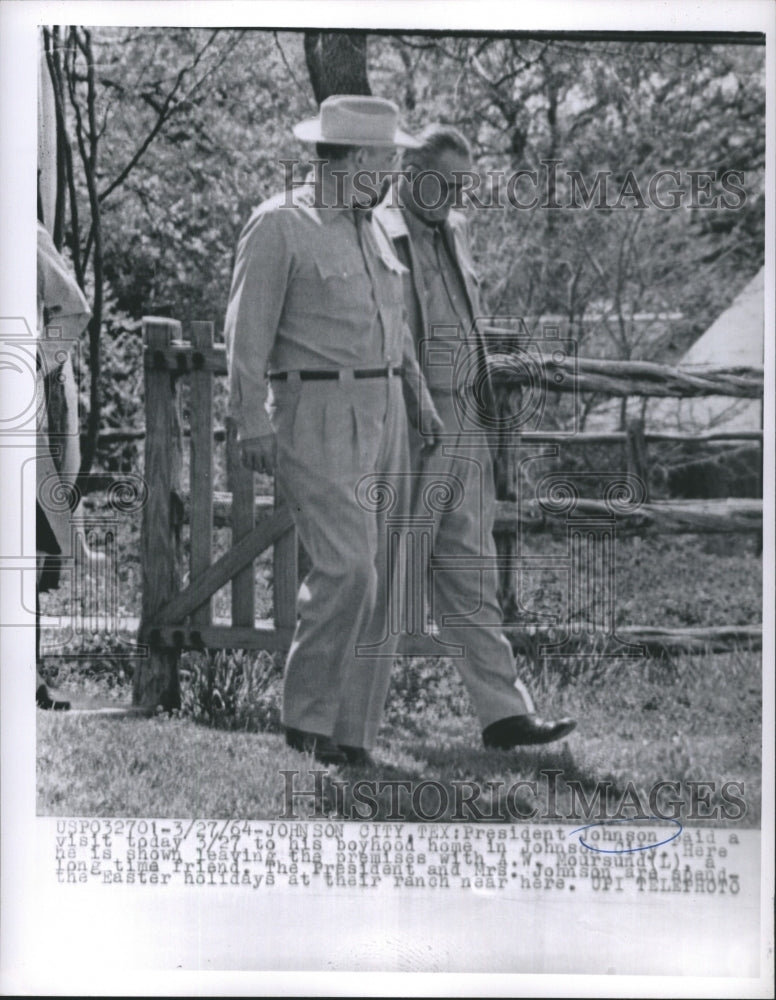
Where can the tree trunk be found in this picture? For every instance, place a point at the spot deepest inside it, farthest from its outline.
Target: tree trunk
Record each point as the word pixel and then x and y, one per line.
pixel 65 180
pixel 336 62
pixel 87 138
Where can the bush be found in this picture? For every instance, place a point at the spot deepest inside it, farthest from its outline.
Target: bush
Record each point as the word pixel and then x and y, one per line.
pixel 233 689
pixel 423 684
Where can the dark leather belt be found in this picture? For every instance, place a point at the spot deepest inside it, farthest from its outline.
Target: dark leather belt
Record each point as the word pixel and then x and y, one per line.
pixel 313 375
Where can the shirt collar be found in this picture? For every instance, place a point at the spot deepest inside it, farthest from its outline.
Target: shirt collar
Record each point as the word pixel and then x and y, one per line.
pixel 419 228
pixel 304 195
pixel 423 232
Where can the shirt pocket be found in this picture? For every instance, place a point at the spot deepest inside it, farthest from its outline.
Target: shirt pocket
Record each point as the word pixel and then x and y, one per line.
pixel 342 287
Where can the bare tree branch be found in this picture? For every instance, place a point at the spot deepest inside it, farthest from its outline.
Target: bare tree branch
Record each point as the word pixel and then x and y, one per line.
pixel 303 89
pixel 167 109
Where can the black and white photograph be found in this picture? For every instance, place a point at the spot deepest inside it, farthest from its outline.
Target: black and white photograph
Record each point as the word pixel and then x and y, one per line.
pixel 387 499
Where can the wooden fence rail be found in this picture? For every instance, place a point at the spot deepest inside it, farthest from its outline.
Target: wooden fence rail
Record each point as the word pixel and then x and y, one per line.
pixel 625 378
pixel 176 617
pixel 661 517
pixel 616 378
pixel 115 435
pixel 221 634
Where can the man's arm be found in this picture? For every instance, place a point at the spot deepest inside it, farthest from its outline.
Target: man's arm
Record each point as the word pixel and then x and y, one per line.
pixel 421 411
pixel 256 302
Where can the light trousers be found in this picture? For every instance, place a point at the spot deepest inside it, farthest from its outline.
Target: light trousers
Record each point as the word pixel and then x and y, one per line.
pixel 342 464
pixel 464 603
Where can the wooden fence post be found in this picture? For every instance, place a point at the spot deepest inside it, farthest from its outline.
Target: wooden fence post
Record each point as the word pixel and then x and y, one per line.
pixel 508 400
pixel 636 453
pixel 156 681
pixel 240 482
pixel 201 490
pixel 760 477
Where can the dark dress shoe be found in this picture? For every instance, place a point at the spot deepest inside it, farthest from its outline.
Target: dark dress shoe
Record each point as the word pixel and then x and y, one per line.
pixel 525 730
pixel 50 700
pixel 323 748
pixel 357 756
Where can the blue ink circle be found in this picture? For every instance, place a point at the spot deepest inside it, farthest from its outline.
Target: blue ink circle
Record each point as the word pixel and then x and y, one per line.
pixel 627 850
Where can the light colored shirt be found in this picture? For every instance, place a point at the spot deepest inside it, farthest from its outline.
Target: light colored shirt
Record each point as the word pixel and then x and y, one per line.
pixel 310 290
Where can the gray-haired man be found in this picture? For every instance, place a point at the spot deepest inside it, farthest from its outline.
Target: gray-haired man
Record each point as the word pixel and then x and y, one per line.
pixel 431 241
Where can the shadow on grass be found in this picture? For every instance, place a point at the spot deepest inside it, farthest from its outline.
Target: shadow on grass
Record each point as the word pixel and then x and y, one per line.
pixel 425 783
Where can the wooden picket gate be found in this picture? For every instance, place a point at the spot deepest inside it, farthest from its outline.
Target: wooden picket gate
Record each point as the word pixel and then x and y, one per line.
pixel 176 618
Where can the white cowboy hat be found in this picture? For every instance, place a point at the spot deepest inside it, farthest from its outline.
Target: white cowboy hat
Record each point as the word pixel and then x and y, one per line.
pixel 352 120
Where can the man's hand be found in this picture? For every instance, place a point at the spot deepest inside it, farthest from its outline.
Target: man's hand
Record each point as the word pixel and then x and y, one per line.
pixel 433 429
pixel 259 453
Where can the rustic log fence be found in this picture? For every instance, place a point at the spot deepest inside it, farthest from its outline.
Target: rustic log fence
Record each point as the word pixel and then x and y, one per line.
pixel 176 617
pixel 628 378
pixel 114 435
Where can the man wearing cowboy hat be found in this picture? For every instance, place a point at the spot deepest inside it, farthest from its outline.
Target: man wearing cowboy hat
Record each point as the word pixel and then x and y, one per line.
pixel 316 329
pixel 430 239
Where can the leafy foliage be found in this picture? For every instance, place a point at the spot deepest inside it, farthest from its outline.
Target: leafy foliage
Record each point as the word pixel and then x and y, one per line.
pixel 190 128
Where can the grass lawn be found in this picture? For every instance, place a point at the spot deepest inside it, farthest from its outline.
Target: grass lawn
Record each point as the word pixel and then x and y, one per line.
pixel 690 719
pixel 700 724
